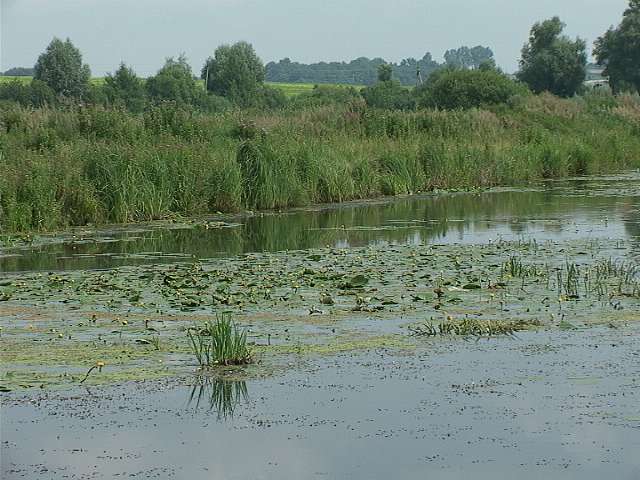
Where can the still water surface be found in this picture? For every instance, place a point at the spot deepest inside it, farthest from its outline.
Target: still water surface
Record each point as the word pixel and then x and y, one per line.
pixel 591 207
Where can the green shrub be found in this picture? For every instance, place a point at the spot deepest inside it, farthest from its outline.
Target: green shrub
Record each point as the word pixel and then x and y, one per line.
pixel 390 95
pixel 33 94
pixel 464 89
pixel 326 95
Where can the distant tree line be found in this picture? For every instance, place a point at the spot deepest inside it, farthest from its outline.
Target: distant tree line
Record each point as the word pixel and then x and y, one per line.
pixel 234 76
pixel 364 71
pixel 18 72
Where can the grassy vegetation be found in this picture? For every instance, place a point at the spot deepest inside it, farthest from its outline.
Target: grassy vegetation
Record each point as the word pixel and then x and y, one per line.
pixel 220 342
pixel 77 165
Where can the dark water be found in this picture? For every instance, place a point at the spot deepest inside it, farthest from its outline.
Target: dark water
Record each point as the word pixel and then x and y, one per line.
pixel 532 408
pixel 580 208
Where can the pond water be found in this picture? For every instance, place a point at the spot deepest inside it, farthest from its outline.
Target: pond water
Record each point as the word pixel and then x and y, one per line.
pixel 341 392
pixel 533 408
pixel 591 207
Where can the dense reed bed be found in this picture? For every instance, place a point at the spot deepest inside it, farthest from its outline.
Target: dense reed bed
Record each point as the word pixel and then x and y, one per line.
pixel 83 165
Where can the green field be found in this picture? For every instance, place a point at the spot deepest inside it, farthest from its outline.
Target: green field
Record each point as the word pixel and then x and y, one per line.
pixel 4 78
pixel 289 89
pixel 293 89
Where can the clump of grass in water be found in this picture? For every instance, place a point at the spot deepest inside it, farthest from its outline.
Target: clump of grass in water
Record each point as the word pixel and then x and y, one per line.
pixel 220 342
pixel 516 269
pixel 471 328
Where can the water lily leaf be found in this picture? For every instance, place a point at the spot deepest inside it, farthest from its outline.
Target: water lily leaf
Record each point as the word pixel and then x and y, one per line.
pixel 471 286
pixel 326 299
pixel 358 281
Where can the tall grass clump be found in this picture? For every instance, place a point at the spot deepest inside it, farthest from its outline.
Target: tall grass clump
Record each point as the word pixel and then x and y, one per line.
pixel 220 342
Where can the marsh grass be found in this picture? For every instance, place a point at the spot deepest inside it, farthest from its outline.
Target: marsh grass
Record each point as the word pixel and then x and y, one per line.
pixel 469 327
pixel 78 166
pixel 605 278
pixel 220 343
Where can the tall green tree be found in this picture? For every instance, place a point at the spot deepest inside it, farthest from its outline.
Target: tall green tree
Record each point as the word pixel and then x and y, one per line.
pixel 468 58
pixel 60 67
pixel 553 62
pixel 235 72
pixel 385 72
pixel 174 82
pixel 619 50
pixel 387 93
pixel 124 87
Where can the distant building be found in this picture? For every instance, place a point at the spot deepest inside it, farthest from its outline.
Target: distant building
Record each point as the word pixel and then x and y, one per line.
pixel 595 77
pixel 595 72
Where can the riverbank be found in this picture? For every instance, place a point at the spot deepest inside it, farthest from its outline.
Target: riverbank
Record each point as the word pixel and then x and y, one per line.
pixel 94 166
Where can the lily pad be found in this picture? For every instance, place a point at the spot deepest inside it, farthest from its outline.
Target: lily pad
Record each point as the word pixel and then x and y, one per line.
pixel 357 281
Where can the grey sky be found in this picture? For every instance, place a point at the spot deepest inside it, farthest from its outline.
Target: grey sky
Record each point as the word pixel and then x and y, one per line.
pixel 143 32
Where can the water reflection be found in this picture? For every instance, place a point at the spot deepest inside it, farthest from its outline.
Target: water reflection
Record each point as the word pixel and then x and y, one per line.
pixel 221 395
pixel 597 208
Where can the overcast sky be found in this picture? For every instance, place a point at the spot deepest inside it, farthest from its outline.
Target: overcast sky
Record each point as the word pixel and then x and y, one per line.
pixel 144 32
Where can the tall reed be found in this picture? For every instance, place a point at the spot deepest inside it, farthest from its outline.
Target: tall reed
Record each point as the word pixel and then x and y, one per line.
pixel 90 165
